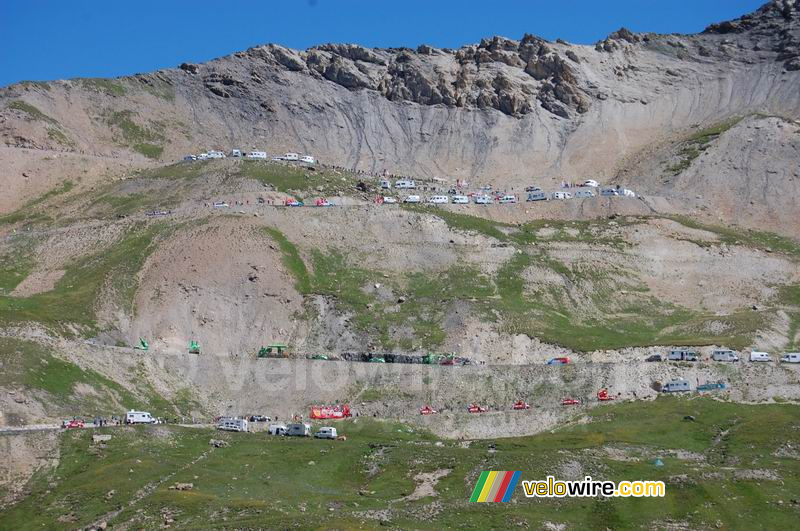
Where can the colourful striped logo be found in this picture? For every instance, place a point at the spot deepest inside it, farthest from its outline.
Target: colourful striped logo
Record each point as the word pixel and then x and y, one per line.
pixel 495 486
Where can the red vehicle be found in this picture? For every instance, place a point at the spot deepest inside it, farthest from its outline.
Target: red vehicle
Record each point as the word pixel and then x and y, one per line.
pixel 519 404
pixel 427 410
pixel 322 202
pixel 558 361
pixel 603 396
pixel 475 408
pixel 571 401
pixel 330 412
pixel 293 203
pixel 72 423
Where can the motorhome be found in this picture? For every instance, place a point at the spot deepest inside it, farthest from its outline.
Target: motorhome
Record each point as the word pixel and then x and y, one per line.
pixel 676 386
pixel 724 355
pixel 584 193
pixel 481 199
pixel 537 196
pixel 438 199
pixel 609 192
pixel 386 184
pixel 403 183
pixel 507 199
pixel 216 155
pixel 139 417
pixel 460 200
pixel 277 429
pixel 298 430
pixel 326 433
pixel 760 356
pixel 682 355
pixel 256 155
pixel 561 195
pixel 791 357
pixel 232 424
pixel 291 157
pixel 308 159
pixel 412 199
pixel 236 153
pixel 202 156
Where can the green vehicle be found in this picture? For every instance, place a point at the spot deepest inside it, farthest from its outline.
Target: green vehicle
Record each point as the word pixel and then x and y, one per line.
pixel 377 360
pixel 194 347
pixel 319 357
pixel 274 350
pixel 432 359
pixel 142 345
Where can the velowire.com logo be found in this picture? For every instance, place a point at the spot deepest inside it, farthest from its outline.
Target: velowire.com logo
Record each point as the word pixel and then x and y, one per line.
pixel 495 486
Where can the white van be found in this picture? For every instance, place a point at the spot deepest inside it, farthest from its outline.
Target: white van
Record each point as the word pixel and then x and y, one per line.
pixel 460 200
pixel 482 199
pixel 791 357
pixel 561 195
pixel 412 199
pixel 760 356
pixel 256 155
pixel 308 159
pixel 676 386
pixel 627 193
pixel 537 196
pixel 508 199
pixel 403 184
pixel 231 424
pixel 277 429
pixel 292 157
pixel 592 183
pixel 609 192
pixel 724 355
pixel 139 417
pixel 216 155
pixel 236 153
pixel 386 184
pixel 584 193
pixel 439 200
pixel 326 433
pixel 298 430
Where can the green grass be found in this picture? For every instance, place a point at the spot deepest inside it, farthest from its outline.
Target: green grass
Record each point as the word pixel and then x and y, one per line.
pixel 292 260
pixel 697 142
pixel 297 180
pixel 746 237
pixel 108 86
pixel 72 301
pixel 273 482
pixel 144 139
pixel 32 111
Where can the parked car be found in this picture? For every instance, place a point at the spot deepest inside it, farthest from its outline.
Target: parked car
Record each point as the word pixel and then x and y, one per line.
pixel 760 356
pixel 72 424
pixel 591 183
pixel 326 433
pixel 584 193
pixel 387 200
pixel 412 199
pixel 654 357
pixel 791 357
pixel 724 355
pixel 558 361
pixel 460 200
pixel 293 203
pixel 438 200
pixel 308 159
pixel 277 429
pixel 189 158
pixel 609 192
pixel 533 189
pixel 322 202
pixel 508 199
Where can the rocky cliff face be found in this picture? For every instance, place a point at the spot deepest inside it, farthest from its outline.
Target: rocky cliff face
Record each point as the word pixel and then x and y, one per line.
pixel 508 112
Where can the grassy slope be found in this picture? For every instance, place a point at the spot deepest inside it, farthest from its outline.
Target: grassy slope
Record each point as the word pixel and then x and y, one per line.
pixel 262 481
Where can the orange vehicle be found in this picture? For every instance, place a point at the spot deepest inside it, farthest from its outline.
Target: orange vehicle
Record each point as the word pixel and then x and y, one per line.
pixel 519 404
pixel 603 396
pixel 475 408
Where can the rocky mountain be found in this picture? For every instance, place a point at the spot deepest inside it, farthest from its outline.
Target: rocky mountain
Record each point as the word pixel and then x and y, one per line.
pixel 506 112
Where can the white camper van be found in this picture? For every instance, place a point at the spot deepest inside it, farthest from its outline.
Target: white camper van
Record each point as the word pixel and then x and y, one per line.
pixel 291 157
pixel 460 200
pixel 412 199
pixel 760 356
pixel 216 154
pixel 231 424
pixel 404 183
pixel 386 184
pixel 326 433
pixel 481 199
pixel 724 355
pixel 561 195
pixel 298 430
pixel 791 357
pixel 537 196
pixel 584 193
pixel 236 153
pixel 277 429
pixel 508 199
pixel 308 159
pixel 139 417
pixel 439 199
pixel 676 386
pixel 256 155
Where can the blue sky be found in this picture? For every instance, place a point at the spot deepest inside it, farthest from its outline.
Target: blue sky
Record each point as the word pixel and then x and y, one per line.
pixel 52 39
